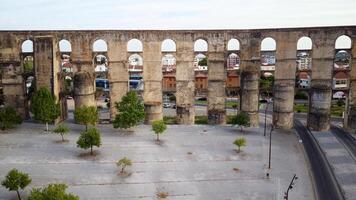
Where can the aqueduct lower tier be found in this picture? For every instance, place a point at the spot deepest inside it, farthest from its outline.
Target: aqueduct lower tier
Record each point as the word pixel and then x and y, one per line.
pixel 47 73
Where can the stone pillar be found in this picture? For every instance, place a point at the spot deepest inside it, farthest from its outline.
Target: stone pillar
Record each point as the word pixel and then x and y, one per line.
pixel 284 83
pixel 216 81
pixel 152 78
pixel 185 82
pixel 84 89
pixel 321 88
pixel 84 79
pixel 43 56
pixel 249 77
pixel 350 117
pixel 118 74
pixel 11 77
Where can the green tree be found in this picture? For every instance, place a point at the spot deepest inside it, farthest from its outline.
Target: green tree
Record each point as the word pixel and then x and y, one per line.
pixel 266 85
pixel 52 192
pixel 242 120
pixel 131 111
pixel 203 62
pixel 87 115
pixel 15 180
pixel 123 163
pixel 44 107
pixel 9 118
pixel 240 142
pixel 62 130
pixel 158 127
pixel 88 139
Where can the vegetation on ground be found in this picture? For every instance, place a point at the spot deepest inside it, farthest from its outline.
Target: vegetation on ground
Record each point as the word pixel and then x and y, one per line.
pixel 16 180
pixel 87 115
pixel 88 139
pixel 9 118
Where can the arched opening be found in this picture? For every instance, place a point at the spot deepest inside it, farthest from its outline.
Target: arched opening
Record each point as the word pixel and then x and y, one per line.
pixel 268 62
pixel 341 75
pixel 201 46
pixel 233 45
pixel 135 66
pixel 65 46
pixel 134 45
pixel 201 83
pixel 100 46
pixel 169 86
pixel 301 102
pixel 168 45
pixel 27 46
pixel 232 81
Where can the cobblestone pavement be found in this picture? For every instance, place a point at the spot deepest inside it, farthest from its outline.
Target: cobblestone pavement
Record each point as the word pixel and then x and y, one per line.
pixel 191 162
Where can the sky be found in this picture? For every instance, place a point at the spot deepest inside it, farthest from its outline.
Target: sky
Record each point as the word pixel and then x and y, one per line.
pixel 173 14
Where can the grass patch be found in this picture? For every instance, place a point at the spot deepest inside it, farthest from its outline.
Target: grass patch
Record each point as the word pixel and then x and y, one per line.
pixel 201 119
pixel 335 110
pixel 170 120
pixel 228 104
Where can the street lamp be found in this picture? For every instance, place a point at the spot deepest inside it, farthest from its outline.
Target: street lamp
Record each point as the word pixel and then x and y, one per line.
pixel 270 150
pixel 290 186
pixel 264 131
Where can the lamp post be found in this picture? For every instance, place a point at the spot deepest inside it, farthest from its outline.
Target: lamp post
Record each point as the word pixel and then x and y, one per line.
pixel 264 131
pixel 290 186
pixel 270 147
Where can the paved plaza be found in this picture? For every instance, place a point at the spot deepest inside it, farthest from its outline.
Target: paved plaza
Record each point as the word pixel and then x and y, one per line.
pixel 191 162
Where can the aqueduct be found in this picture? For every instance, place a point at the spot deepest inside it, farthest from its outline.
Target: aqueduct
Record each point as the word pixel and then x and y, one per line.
pixel 48 73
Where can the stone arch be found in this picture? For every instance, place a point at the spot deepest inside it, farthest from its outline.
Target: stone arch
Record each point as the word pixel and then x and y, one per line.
pixel 268 44
pixel 201 45
pixel 134 45
pixel 27 46
pixel 100 45
pixel 233 45
pixel 168 45
pixel 233 61
pixel 343 42
pixel 305 43
pixel 135 68
pixel 65 46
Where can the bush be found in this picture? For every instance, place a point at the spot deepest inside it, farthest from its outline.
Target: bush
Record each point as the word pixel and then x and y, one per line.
pixel 15 181
pixel 9 118
pixel 240 142
pixel 52 191
pixel 87 115
pixel 158 127
pixel 62 130
pixel 88 139
pixel 44 107
pixel 242 120
pixel 123 163
pixel 201 120
pixel 131 111
pixel 340 102
pixel 169 120
pixel 301 95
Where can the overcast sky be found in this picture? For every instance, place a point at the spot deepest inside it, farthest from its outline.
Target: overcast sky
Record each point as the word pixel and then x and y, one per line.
pixel 177 14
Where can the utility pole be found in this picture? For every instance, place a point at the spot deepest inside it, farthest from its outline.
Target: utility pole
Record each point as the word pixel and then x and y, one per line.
pixel 290 186
pixel 264 131
pixel 270 147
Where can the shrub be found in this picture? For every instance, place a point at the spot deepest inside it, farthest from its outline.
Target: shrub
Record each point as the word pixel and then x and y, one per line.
pixel 15 181
pixel 87 115
pixel 44 107
pixel 131 111
pixel 9 118
pixel 52 191
pixel 62 130
pixel 123 163
pixel 88 139
pixel 242 120
pixel 158 127
pixel 240 142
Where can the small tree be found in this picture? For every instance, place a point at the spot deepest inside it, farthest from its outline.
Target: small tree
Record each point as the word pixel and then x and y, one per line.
pixel 9 118
pixel 44 107
pixel 62 130
pixel 15 181
pixel 123 163
pixel 88 139
pixel 52 191
pixel 158 127
pixel 241 142
pixel 87 115
pixel 131 111
pixel 242 120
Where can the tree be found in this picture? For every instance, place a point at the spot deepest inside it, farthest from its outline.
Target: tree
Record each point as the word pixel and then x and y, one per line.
pixel 9 117
pixel 15 181
pixel 131 111
pixel 241 119
pixel 266 84
pixel 240 142
pixel 62 130
pixel 158 127
pixel 123 163
pixel 87 115
pixel 44 107
pixel 203 62
pixel 52 191
pixel 88 139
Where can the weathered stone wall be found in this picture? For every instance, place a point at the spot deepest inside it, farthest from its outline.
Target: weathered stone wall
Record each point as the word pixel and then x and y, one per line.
pixel 350 118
